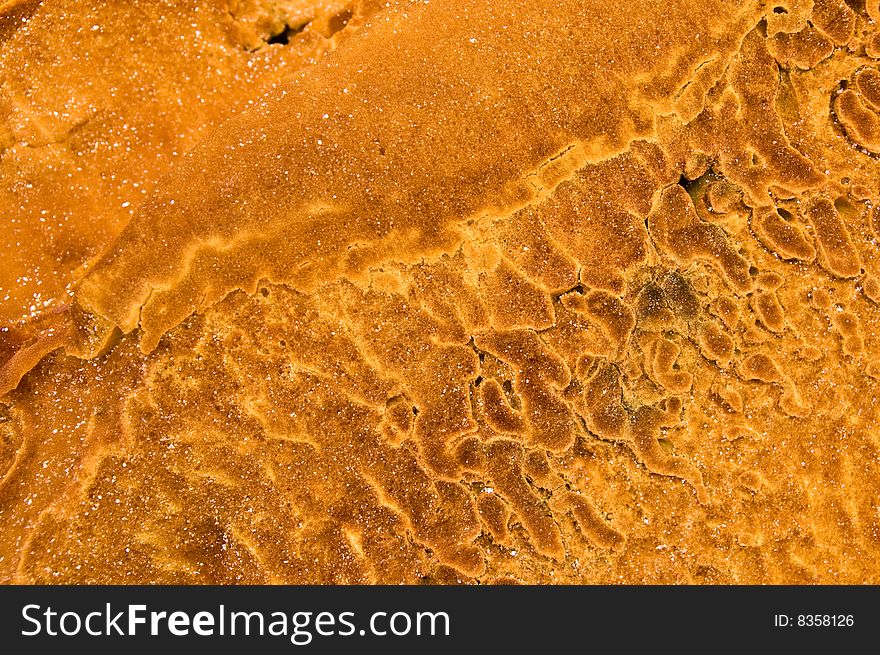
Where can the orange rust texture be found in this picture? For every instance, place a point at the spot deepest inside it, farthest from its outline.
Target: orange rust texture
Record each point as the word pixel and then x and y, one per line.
pixel 552 292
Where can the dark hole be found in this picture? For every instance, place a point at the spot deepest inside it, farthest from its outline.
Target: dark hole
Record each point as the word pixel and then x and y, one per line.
pixel 753 271
pixel 780 10
pixel 284 36
pixel 857 6
pixel 283 343
pixel 264 291
pixel 579 289
pixel 478 380
pixel 685 183
pixel 784 213
pixel 339 21
pixel 507 386
pixel 762 28
pixel 415 411
pixel 482 357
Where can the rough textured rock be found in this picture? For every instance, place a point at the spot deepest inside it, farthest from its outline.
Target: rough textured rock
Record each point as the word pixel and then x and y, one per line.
pixel 559 292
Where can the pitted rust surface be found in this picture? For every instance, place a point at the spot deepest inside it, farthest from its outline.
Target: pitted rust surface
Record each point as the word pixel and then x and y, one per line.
pixel 572 292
